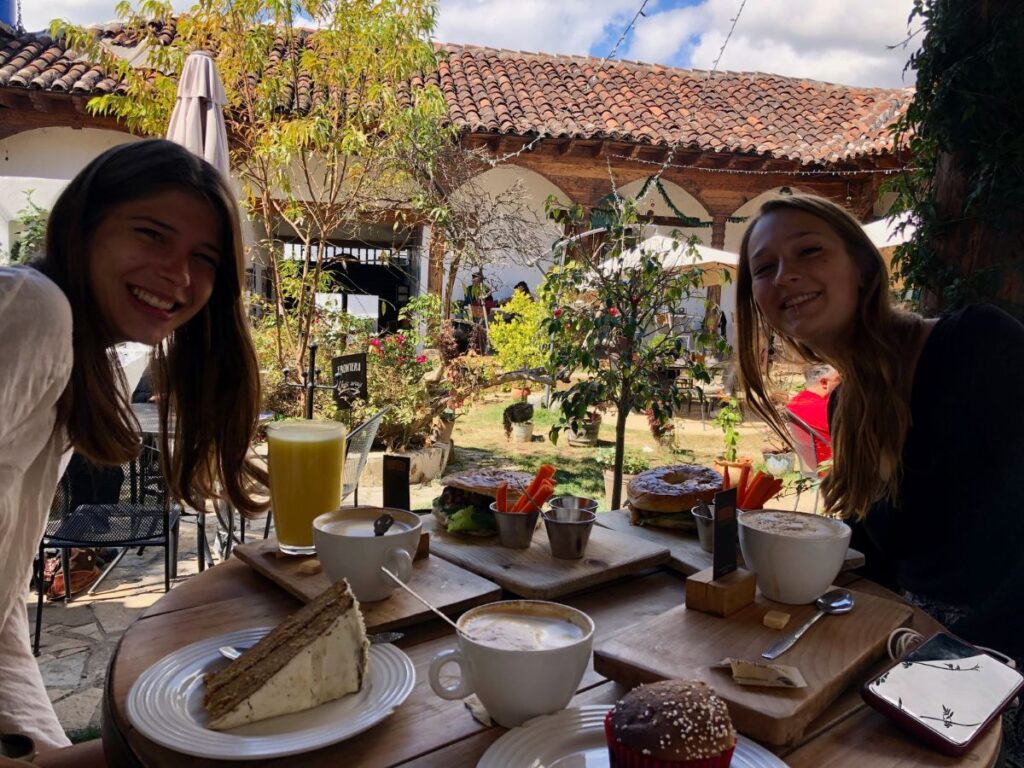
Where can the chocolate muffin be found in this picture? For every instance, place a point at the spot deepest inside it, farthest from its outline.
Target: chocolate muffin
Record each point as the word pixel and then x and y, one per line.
pixel 670 724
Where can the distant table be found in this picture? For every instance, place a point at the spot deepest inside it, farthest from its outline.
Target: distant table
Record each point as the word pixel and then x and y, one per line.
pixel 429 731
pixel 148 415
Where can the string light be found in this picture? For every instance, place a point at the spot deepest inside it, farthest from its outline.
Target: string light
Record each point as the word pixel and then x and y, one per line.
pixel 745 172
pixel 700 95
pixel 494 162
pixel 615 48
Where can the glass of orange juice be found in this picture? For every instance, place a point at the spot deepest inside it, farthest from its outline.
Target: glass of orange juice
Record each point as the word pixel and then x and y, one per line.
pixel 305 460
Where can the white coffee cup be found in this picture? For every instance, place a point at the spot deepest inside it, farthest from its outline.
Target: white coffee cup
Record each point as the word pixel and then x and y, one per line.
pixel 796 556
pixel 348 549
pixel 526 678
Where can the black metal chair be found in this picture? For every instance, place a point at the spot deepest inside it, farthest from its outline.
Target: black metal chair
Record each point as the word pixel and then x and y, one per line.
pixel 141 516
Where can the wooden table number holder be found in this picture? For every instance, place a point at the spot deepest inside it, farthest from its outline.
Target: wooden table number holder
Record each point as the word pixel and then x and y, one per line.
pixel 722 596
pixel 724 588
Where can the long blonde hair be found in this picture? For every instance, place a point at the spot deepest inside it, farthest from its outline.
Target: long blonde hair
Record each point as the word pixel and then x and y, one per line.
pixel 206 369
pixel 872 413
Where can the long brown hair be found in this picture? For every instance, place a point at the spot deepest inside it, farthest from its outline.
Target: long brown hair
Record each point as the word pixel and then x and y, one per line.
pixel 872 411
pixel 206 370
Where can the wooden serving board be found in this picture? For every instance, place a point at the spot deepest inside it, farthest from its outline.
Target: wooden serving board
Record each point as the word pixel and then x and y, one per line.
pixel 450 588
pixel 685 552
pixel 682 643
pixel 533 573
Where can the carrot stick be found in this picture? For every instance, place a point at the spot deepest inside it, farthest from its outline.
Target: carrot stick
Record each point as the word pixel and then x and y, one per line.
pixel 754 490
pixel 546 472
pixel 741 485
pixel 523 505
pixel 503 497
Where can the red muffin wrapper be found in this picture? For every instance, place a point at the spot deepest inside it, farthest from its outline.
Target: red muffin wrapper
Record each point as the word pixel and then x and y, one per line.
pixel 622 756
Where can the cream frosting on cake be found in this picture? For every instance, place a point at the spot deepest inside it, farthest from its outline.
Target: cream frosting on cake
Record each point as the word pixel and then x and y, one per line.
pixel 316 655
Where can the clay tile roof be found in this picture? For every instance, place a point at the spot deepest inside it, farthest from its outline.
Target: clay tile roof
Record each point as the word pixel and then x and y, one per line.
pixel 519 93
pixel 741 112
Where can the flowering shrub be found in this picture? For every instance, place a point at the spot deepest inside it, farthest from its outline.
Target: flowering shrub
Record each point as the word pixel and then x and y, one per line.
pixel 395 371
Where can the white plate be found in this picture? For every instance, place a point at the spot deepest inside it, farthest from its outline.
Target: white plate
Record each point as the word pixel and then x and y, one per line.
pixel 166 704
pixel 574 738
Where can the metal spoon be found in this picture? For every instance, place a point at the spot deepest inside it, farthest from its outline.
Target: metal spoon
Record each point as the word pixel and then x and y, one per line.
pixel 382 523
pixel 231 652
pixel 835 602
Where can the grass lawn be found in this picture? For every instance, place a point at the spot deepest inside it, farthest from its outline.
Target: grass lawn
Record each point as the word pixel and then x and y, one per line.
pixel 480 442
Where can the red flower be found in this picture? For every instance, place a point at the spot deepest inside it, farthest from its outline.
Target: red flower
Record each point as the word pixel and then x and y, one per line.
pixel 556 313
pixel 375 343
pixel 421 358
pixel 613 312
pixel 400 338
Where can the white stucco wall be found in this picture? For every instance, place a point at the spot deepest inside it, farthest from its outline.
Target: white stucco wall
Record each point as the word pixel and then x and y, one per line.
pixel 44 161
pixel 508 268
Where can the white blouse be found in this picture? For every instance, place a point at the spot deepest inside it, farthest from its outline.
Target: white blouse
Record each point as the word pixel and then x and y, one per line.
pixel 35 365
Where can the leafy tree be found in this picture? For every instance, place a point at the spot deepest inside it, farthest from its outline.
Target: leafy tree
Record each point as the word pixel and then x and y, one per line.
pixel 965 193
pixel 321 115
pixel 603 324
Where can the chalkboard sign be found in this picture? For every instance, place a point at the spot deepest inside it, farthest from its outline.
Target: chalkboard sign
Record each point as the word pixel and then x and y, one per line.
pixel 396 481
pixel 350 372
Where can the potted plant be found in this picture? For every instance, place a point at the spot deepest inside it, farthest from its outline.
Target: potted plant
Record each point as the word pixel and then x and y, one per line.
pixel 445 426
pixel 727 419
pixel 586 432
pixel 521 391
pixel 518 422
pixel 633 463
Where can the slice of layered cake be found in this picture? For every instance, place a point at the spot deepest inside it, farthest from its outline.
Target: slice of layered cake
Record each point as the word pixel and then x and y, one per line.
pixel 316 655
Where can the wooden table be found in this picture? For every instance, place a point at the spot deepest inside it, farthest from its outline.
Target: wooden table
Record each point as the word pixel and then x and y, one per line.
pixel 428 731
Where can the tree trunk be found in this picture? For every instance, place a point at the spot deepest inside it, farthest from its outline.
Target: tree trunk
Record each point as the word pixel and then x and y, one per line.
pixel 625 396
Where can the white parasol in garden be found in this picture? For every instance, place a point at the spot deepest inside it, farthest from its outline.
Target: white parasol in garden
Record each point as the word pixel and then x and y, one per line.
pixel 676 254
pixel 197 122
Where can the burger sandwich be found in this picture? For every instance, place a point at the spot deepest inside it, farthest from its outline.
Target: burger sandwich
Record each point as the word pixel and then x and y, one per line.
pixel 464 504
pixel 663 496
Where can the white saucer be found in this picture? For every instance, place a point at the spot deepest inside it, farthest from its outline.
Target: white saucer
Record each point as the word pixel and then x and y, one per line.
pixel 166 704
pixel 574 738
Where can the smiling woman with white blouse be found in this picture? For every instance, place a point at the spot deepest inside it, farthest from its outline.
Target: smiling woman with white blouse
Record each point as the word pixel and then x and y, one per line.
pixel 143 246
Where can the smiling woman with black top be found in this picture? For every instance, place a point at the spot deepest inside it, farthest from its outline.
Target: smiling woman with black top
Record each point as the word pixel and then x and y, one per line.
pixel 927 430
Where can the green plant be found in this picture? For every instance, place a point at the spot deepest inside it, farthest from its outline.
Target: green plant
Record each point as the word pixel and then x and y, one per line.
pixel 603 323
pixel 727 419
pixel 632 462
pixel 517 333
pixel 32 238
pixel 517 413
pixel 965 192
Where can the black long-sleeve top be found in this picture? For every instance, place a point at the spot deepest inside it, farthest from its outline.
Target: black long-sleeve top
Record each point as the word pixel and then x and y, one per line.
pixel 956 534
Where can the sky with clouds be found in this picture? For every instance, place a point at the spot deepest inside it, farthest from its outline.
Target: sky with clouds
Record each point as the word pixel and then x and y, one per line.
pixel 854 42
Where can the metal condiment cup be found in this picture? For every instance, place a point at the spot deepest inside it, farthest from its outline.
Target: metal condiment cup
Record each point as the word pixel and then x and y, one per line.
pixel 515 529
pixel 569 531
pixel 704 516
pixel 558 504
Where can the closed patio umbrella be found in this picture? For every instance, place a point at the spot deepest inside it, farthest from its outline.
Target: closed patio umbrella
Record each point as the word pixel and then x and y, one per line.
pixel 197 122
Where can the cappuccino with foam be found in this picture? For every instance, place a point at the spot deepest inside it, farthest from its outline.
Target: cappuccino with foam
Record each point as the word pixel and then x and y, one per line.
pixel 794 524
pixel 520 631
